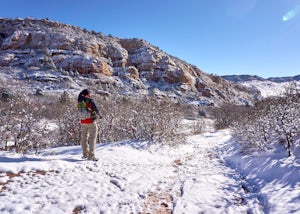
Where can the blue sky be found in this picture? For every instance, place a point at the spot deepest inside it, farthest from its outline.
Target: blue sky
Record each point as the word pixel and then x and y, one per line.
pixel 257 37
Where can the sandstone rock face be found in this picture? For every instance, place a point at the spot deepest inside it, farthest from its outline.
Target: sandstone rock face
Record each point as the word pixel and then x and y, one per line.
pixel 54 46
pixel 17 40
pixel 134 72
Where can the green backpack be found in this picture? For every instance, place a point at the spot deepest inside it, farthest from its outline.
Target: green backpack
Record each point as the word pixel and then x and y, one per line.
pixel 83 110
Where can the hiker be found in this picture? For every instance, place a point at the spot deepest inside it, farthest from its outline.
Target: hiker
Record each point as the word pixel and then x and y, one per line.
pixel 88 113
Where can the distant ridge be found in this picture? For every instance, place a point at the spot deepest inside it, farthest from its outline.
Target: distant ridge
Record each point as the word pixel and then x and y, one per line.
pixel 242 78
pixel 285 79
pixel 246 78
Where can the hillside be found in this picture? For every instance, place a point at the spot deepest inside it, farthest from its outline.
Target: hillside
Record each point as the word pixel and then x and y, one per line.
pixel 247 78
pixel 43 52
pixel 273 86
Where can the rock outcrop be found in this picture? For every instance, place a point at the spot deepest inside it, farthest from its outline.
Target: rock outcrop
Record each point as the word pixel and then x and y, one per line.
pixel 34 44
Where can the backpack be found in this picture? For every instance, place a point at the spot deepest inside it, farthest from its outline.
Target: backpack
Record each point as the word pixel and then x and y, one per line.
pixel 83 111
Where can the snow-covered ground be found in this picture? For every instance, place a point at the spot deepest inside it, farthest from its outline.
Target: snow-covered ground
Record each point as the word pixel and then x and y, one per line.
pixel 205 175
pixel 269 88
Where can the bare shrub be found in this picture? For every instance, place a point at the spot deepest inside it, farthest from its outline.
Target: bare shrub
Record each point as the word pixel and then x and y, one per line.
pixel 286 113
pixel 200 126
pixel 25 120
pixel 192 111
pixel 250 130
pixel 21 125
pixel 272 120
pixel 68 124
pixel 141 118
pixel 226 114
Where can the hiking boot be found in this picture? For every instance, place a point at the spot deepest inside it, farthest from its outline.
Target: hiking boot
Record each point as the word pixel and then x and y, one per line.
pixel 93 158
pixel 84 157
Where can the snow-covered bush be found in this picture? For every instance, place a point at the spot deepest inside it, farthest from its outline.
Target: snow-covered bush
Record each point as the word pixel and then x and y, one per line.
pixel 141 118
pixel 274 120
pixel 287 123
pixel 226 114
pixel 21 126
pixel 68 123
pixel 25 120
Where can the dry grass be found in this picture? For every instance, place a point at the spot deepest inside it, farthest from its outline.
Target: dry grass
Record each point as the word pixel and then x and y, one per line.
pixel 157 203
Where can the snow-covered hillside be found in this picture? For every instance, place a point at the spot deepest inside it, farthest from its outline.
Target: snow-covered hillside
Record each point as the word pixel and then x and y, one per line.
pixel 205 175
pixel 43 52
pixel 269 88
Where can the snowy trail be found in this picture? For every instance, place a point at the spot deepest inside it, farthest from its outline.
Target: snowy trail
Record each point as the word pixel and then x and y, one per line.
pixel 190 178
pixel 206 184
pixel 118 183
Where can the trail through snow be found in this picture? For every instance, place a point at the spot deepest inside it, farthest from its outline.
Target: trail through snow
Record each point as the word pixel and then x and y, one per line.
pixel 190 178
pixel 207 184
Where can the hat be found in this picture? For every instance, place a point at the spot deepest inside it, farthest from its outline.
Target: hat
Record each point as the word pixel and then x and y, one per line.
pixel 85 92
pixel 82 94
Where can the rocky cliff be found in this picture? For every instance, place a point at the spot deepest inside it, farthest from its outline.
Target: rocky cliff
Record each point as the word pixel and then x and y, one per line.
pixel 48 51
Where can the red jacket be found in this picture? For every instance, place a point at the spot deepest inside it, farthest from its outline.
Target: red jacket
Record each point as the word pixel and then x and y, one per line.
pixel 92 110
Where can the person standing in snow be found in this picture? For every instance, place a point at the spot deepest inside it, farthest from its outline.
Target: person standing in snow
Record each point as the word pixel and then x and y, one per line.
pixel 88 113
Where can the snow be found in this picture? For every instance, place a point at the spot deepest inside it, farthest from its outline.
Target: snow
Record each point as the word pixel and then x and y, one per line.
pixel 270 88
pixel 274 177
pixel 205 175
